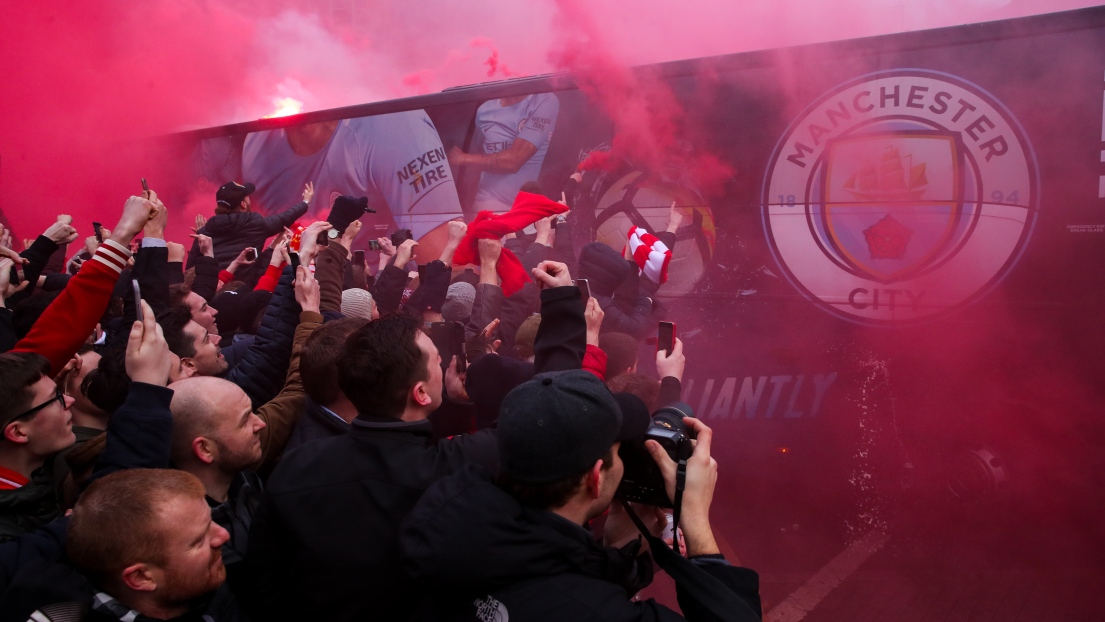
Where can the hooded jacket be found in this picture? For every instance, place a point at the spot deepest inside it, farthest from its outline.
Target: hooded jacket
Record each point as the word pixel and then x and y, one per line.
pixel 478 554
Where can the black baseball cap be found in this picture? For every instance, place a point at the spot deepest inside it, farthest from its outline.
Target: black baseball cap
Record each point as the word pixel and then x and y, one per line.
pixel 559 423
pixel 232 193
pixel 346 210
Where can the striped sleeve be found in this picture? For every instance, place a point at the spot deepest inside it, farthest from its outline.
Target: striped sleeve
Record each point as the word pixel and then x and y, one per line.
pixel 69 320
pixel 113 255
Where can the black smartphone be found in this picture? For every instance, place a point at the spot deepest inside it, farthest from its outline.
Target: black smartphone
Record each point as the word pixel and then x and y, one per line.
pixel 584 290
pixel 251 254
pixel 374 245
pixel 137 300
pixel 358 258
pixel 665 337
pixel 421 273
pixel 145 187
pixel 295 260
pixel 400 236
pixel 99 229
pixel 449 339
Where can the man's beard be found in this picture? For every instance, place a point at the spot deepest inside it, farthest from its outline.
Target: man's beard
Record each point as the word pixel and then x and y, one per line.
pixel 185 589
pixel 234 461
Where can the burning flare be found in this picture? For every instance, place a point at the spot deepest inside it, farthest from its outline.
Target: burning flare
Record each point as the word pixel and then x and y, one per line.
pixel 285 106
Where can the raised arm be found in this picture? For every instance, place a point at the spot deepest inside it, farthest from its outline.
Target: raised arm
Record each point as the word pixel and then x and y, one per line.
pixel 562 336
pixel 69 320
pixel 282 412
pixel 275 224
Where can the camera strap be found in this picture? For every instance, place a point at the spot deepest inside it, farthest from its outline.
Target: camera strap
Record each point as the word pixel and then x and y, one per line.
pixel 680 486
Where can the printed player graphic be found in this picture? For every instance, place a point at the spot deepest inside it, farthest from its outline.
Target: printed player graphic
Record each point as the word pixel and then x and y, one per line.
pixel 891 202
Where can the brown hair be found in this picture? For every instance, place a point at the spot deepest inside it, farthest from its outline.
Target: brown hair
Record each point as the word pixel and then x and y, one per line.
pixel 638 384
pixel 116 521
pixel 178 292
pixel 19 371
pixel 318 363
pixel 621 352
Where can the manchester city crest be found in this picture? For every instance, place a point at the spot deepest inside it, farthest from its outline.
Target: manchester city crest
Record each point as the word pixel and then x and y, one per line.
pixel 900 196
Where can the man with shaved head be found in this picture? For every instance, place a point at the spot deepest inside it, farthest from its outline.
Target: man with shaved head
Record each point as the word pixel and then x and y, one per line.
pixel 223 441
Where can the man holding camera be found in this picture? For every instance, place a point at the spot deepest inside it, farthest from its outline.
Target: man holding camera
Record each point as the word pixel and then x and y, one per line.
pixel 517 547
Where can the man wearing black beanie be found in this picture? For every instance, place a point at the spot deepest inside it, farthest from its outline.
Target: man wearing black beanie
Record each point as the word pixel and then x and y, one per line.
pixel 517 546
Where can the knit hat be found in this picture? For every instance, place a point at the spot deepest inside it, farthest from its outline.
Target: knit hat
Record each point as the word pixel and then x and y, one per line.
pixel 458 302
pixel 527 335
pixel 357 303
pixel 558 424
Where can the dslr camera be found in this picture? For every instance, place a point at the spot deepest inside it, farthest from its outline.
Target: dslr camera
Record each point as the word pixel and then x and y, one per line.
pixel 643 482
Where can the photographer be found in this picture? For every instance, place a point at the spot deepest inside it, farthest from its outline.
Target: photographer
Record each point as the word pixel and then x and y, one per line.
pixel 518 546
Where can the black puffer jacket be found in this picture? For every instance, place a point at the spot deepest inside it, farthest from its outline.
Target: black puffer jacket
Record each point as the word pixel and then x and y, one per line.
pixel 615 283
pixel 261 371
pixel 230 233
pixel 477 554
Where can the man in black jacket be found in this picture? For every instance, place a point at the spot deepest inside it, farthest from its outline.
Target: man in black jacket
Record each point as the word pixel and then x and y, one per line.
pixel 324 544
pixel 234 226
pixel 517 547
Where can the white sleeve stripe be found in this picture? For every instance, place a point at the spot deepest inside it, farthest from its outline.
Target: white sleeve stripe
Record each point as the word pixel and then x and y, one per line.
pixel 118 247
pixel 100 258
pixel 113 256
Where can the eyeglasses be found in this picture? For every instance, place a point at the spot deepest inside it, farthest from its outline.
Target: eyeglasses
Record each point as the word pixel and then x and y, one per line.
pixel 59 397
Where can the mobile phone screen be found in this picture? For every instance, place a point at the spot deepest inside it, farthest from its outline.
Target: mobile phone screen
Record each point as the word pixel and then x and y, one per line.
pixel 373 245
pixel 251 254
pixel 295 260
pixel 358 258
pixel 665 337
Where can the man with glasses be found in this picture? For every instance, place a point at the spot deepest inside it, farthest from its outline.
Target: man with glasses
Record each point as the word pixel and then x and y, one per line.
pixel 36 422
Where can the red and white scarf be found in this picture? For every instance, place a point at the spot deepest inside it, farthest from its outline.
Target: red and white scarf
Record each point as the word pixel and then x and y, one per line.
pixel 652 255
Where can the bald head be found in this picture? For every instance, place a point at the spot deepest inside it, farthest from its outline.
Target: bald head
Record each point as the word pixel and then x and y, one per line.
pixel 200 404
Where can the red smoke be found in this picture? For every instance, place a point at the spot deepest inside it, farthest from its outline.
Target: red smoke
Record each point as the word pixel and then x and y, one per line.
pixel 649 120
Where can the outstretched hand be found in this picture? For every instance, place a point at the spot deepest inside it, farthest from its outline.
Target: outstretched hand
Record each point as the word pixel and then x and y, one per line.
pixel 671 364
pixel 137 211
pixel 699 490
pixel 593 315
pixel 147 358
pixel 550 274
pixel 61 233
pixel 307 290
pixel 207 249
pixel 308 240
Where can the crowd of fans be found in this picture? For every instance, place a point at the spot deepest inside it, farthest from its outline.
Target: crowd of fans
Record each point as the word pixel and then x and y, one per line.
pixel 264 429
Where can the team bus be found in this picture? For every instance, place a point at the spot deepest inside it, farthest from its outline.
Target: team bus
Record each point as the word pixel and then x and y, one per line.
pixel 889 280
